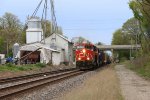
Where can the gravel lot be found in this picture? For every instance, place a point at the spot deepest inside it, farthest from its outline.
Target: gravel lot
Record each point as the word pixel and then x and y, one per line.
pixel 133 86
pixel 52 92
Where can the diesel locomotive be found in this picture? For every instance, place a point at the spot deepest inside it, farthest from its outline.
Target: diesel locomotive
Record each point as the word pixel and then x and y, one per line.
pixel 88 56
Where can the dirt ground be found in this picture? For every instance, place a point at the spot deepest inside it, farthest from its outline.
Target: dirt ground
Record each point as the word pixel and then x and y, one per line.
pixel 8 74
pixel 101 86
pixel 133 86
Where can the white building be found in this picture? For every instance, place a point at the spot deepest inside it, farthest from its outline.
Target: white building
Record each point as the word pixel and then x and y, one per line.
pixel 62 44
pixel 55 49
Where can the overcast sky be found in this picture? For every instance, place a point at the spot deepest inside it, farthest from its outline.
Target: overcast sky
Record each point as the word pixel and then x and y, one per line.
pixel 95 20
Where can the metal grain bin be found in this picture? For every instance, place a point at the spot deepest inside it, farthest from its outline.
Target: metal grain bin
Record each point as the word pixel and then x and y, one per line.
pixel 15 49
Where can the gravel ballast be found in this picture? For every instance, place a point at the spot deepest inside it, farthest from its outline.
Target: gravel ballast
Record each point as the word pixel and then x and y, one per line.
pixel 52 92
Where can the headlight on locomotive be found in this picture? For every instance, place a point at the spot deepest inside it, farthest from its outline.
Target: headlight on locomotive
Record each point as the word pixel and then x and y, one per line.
pixel 84 51
pixel 79 58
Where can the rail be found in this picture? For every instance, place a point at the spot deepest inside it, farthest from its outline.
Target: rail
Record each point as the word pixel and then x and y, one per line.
pixel 8 92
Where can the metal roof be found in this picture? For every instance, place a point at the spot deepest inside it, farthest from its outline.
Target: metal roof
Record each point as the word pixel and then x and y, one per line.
pixel 35 46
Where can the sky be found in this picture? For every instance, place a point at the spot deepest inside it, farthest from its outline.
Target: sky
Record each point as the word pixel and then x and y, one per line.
pixel 95 20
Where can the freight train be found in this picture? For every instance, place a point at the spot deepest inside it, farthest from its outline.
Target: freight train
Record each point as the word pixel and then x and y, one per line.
pixel 88 56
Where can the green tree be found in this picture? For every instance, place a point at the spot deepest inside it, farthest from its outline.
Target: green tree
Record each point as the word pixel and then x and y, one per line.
pixel 99 43
pixel 10 30
pixel 121 38
pixel 78 40
pixel 46 25
pixel 1 44
pixel 141 11
pixel 132 28
pixel 60 31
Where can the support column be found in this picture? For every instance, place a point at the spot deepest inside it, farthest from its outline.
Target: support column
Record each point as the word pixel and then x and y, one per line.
pixel 112 50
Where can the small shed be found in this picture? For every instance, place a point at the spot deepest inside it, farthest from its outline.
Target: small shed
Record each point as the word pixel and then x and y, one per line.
pixel 38 52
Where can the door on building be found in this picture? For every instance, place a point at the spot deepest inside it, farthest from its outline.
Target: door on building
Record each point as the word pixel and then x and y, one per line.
pixel 32 58
pixel 63 58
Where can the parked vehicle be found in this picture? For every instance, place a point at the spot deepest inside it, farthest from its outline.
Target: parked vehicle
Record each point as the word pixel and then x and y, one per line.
pixel 9 60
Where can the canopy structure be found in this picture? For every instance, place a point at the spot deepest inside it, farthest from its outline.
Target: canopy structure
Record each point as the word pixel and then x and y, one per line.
pixel 38 52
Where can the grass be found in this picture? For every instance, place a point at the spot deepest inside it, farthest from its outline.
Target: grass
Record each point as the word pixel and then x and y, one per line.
pixel 14 68
pixel 140 65
pixel 102 86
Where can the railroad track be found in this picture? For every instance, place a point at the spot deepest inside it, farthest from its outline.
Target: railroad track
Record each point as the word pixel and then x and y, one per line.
pixel 25 77
pixel 7 92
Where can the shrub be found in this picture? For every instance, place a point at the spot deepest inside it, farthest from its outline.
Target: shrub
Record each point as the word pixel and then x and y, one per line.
pixel 123 59
pixel 41 65
pixel 21 68
pixel 141 65
pixel 10 65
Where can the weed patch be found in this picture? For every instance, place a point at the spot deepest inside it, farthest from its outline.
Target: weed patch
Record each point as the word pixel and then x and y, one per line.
pixel 140 65
pixel 14 68
pixel 41 65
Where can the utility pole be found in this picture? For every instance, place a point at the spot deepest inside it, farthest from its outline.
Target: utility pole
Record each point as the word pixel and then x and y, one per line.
pixel 136 44
pixel 130 48
pixel 137 38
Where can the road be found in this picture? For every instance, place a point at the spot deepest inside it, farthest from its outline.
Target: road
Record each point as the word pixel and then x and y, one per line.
pixel 133 87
